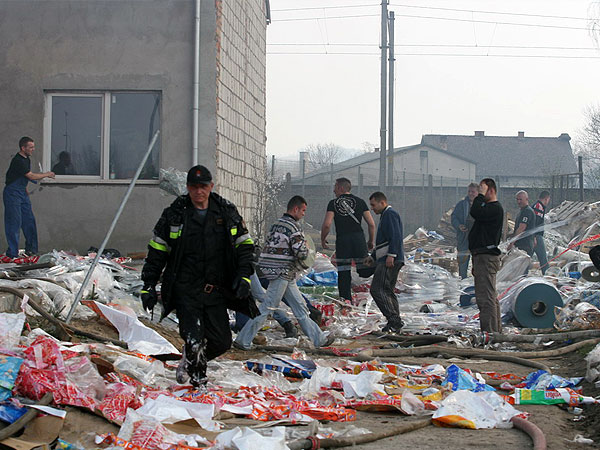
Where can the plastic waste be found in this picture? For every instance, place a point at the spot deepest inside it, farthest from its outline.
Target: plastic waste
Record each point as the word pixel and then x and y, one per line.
pixel 593 365
pixel 11 326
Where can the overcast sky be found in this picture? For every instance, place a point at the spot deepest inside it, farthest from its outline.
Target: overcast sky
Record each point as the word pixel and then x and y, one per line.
pixel 318 96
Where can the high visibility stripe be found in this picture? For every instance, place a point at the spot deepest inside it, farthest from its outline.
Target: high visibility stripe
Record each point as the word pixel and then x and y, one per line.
pixel 247 279
pixel 233 231
pixel 144 292
pixel 246 242
pixel 175 234
pixel 157 246
pixel 242 238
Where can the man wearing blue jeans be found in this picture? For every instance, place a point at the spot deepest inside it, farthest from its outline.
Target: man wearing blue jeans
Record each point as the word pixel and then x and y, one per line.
pixel 280 261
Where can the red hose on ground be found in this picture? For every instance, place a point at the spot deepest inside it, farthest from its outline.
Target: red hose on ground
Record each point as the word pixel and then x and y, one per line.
pixel 536 435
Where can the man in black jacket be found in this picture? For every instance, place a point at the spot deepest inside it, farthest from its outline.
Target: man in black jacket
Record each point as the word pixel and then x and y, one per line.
pixel 203 245
pixel 484 238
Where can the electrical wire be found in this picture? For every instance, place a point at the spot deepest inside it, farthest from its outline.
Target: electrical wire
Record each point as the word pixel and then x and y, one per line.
pixel 439 54
pixel 363 44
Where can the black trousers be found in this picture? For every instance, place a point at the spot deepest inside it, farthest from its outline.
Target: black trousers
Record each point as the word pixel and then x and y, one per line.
pixel 204 327
pixel 348 247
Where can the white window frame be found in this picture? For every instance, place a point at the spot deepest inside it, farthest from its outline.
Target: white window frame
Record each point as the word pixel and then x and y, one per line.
pixel 104 176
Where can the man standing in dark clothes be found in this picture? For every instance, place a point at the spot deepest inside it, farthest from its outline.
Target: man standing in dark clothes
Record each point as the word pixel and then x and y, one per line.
pixel 524 223
pixel 17 206
pixel 539 248
pixel 347 211
pixel 202 243
pixel 462 222
pixel 388 259
pixel 484 238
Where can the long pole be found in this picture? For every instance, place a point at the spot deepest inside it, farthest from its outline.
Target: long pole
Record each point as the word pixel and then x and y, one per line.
pixel 390 162
pixel 580 165
pixel 383 131
pixel 88 275
pixel 196 94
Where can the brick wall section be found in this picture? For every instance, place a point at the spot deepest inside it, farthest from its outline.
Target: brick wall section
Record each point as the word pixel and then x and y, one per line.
pixel 241 80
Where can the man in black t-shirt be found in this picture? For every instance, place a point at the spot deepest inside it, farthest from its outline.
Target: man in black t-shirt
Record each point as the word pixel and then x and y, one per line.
pixel 525 222
pixel 17 206
pixel 347 211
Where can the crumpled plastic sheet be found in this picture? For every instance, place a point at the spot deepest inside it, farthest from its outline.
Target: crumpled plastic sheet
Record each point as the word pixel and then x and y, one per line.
pixel 428 282
pixel 247 439
pixel 577 316
pixel 541 380
pixel 173 182
pixel 593 365
pixel 514 265
pixel 11 326
pixel 151 373
pixel 466 409
pixel 169 410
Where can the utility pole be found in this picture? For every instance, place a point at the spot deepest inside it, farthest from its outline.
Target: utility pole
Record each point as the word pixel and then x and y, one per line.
pixel 382 131
pixel 390 162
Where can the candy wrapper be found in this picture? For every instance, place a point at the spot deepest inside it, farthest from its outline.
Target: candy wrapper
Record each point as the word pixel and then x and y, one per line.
pixel 549 397
pixel 458 379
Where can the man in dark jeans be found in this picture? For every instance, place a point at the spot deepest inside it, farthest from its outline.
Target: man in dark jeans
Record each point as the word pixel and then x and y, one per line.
pixel 484 238
pixel 347 211
pixel 462 222
pixel 524 224
pixel 388 259
pixel 539 248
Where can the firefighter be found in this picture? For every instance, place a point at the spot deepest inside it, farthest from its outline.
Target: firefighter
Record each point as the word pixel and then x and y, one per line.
pixel 202 243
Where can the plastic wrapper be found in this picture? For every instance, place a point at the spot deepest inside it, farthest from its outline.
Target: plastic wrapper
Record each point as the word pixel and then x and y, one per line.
pixel 11 327
pixel 119 397
pixel 83 373
pixel 577 316
pixel 173 182
pixel 514 265
pixel 458 379
pixel 423 282
pixel 322 264
pixel 9 411
pixel 9 370
pixel 541 380
pixel 549 397
pixel 151 373
pixel 166 409
pixel 593 365
pixel 466 409
pixel 247 439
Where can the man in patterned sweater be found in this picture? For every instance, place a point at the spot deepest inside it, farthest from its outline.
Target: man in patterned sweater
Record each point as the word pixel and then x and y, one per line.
pixel 280 261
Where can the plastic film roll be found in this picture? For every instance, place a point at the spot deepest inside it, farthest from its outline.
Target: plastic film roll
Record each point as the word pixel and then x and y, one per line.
pixel 532 302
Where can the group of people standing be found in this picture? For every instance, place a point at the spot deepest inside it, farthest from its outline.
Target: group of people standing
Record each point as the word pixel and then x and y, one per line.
pixel 478 220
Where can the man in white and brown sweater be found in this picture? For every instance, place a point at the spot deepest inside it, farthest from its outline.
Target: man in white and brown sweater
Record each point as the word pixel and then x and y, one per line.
pixel 280 261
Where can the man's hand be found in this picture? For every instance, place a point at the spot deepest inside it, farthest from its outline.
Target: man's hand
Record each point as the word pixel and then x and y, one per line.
pixel 241 287
pixel 389 261
pixel 483 188
pixel 324 244
pixel 462 228
pixel 51 175
pixel 370 245
pixel 149 297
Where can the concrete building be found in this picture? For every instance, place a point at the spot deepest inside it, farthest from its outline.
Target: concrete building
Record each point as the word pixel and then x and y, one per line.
pixel 96 79
pixel 410 165
pixel 514 161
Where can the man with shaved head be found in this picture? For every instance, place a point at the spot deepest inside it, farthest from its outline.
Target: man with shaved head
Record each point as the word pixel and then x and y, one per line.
pixel 524 223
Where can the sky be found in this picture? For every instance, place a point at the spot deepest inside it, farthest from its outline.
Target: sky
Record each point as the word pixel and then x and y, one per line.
pixel 316 95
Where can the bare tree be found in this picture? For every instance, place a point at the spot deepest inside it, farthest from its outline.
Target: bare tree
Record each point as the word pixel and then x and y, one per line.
pixel 267 204
pixel 587 144
pixel 323 155
pixel 594 22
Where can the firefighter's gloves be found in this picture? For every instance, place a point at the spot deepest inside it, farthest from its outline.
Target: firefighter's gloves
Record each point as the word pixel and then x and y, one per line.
pixel 241 287
pixel 149 297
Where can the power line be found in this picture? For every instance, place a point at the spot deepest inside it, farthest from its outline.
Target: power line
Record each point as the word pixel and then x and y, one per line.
pixel 479 11
pixel 437 54
pixel 363 44
pixel 415 16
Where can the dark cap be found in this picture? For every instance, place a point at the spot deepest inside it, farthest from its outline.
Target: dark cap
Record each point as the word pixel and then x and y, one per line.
pixel 199 175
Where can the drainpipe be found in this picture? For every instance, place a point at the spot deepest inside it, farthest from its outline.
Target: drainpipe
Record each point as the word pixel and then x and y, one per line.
pixel 196 108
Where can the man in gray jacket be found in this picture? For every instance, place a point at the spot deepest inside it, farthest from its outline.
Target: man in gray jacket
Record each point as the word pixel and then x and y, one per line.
pixel 462 222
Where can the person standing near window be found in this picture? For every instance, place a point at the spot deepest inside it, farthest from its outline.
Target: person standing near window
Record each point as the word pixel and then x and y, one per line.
pixel 18 213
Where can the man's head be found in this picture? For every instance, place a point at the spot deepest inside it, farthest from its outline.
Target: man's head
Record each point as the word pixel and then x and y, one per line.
pixel 342 186
pixel 378 202
pixel 487 187
pixel 26 146
pixel 472 191
pixel 544 198
pixel 296 207
pixel 522 199
pixel 199 185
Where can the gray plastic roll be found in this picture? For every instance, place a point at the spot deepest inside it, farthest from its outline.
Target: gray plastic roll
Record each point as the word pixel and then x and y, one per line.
pixel 532 302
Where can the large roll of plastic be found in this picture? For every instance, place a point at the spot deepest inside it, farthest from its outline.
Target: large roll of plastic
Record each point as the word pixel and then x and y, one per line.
pixel 532 302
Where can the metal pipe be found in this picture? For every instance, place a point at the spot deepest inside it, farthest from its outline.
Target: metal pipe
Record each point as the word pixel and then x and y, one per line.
pixel 196 94
pixel 88 275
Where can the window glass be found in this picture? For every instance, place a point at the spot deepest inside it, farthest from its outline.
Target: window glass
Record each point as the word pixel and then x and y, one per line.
pixel 134 118
pixel 76 140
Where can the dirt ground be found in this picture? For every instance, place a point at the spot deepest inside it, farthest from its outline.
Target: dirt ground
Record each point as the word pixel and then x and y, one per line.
pixel 556 422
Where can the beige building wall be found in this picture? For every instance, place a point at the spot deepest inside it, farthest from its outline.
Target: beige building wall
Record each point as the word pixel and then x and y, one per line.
pixel 241 75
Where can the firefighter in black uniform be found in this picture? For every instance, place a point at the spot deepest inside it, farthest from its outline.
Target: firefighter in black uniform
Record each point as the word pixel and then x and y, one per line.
pixel 203 245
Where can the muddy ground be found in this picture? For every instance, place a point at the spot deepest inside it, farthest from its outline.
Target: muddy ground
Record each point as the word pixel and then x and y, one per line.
pixel 557 423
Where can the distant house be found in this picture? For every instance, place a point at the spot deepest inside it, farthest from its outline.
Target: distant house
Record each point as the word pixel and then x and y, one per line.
pixel 515 161
pixel 412 167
